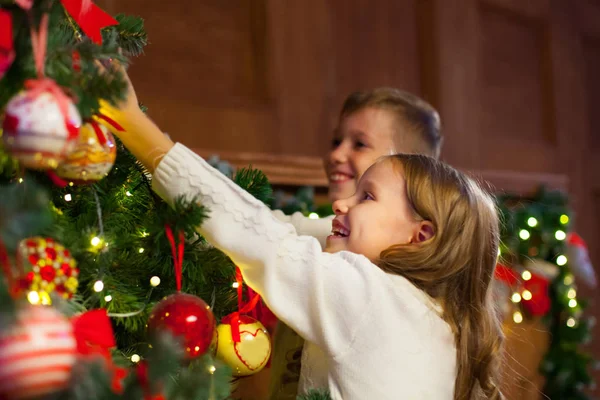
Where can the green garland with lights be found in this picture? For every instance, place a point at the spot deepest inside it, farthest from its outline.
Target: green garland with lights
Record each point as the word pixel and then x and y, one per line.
pixel 537 227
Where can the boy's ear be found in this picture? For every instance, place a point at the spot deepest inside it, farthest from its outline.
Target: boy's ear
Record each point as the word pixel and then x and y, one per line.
pixel 425 231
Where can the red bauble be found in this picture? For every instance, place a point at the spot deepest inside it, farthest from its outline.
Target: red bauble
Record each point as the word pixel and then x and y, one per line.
pixel 188 318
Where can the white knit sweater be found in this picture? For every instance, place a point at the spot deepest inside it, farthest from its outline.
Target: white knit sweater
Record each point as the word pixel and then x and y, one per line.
pixel 371 335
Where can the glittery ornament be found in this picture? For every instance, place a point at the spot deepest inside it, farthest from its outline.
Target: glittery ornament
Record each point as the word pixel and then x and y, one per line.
pixel 187 317
pixel 36 132
pixel 251 353
pixel 93 157
pixel 37 354
pixel 49 267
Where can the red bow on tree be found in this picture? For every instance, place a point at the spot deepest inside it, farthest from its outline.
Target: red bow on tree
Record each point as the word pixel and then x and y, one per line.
pixel 7 51
pixel 94 335
pixel 90 18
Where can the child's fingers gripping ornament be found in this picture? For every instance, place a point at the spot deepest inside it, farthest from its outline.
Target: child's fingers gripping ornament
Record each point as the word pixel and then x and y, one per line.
pixel 246 353
pixel 37 354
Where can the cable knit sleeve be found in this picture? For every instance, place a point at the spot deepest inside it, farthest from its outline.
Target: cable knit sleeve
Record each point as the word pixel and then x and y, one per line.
pixel 317 228
pixel 321 296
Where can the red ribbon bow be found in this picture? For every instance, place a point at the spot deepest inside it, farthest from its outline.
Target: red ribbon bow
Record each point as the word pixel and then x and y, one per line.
pixel 90 18
pixel 177 250
pixel 93 333
pixel 7 50
pixel 234 318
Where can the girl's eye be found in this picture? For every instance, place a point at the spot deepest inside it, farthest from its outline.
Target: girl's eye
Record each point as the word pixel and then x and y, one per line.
pixel 368 196
pixel 335 143
pixel 360 145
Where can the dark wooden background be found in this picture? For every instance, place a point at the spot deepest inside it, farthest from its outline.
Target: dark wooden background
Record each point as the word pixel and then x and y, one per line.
pixel 261 81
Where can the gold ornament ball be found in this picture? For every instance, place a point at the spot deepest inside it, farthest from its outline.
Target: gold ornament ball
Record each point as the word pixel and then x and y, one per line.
pixel 91 160
pixel 251 354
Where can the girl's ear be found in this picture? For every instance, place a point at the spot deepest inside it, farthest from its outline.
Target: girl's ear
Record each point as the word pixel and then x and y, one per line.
pixel 425 232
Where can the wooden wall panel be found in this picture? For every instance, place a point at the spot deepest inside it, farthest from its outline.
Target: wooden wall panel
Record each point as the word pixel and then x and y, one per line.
pixel 591 51
pixel 375 45
pixel 515 91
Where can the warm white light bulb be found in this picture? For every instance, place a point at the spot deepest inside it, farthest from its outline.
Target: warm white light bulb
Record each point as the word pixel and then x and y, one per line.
pixel 68 197
pixel 526 275
pixel 526 295
pixel 141 250
pixel 95 241
pixel 524 234
pixel 108 298
pixel 561 260
pixel 572 293
pixel 98 286
pixel 516 297
pixel 532 222
pixel 135 358
pixel 517 317
pixel 154 281
pixel 571 322
pixel 235 285
pixel 313 215
pixel 560 235
pixel 572 303
pixel 128 193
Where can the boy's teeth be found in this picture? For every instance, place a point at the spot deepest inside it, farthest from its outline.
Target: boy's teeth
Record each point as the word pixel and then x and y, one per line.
pixel 338 177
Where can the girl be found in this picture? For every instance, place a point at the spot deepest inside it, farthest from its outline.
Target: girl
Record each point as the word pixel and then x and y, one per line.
pixel 371 124
pixel 399 304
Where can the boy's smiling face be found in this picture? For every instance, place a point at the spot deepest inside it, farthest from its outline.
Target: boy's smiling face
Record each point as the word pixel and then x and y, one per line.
pixel 360 139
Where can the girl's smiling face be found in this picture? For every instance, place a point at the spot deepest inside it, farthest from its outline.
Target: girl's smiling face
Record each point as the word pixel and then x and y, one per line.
pixel 378 215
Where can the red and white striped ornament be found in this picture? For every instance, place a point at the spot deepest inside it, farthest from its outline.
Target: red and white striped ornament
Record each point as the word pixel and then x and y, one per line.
pixel 37 354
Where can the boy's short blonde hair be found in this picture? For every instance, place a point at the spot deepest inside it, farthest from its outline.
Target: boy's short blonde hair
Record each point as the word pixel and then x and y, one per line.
pixel 415 116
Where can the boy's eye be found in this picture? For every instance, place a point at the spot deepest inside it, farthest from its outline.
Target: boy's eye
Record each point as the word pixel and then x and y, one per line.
pixel 360 145
pixel 335 143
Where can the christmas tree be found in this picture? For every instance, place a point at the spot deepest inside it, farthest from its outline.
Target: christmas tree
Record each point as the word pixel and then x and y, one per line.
pixel 88 252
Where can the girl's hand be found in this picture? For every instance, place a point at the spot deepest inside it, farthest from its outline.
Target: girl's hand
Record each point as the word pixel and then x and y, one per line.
pixel 128 110
pixel 140 135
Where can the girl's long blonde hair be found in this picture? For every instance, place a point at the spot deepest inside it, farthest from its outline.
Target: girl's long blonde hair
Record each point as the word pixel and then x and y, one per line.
pixel 455 266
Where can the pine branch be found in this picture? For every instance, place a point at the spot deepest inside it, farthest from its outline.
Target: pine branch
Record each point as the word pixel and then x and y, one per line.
pixel 132 37
pixel 254 182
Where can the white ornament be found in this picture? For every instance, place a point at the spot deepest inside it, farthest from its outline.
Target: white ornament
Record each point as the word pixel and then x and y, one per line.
pixel 37 133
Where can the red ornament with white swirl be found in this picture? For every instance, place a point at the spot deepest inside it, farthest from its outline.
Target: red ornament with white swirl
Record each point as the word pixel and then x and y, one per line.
pixel 37 354
pixel 251 354
pixel 36 132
